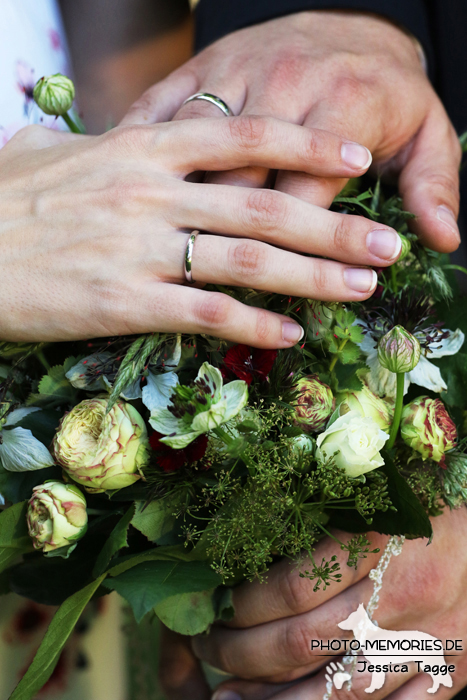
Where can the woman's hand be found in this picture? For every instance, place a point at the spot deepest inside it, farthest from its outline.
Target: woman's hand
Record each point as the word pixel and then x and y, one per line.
pixel 269 641
pixel 94 229
pixel 352 73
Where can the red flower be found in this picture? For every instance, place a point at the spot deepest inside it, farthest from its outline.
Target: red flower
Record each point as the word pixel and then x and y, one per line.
pixel 172 460
pixel 248 363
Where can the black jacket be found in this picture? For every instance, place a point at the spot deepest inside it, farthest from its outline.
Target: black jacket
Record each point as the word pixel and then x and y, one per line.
pixel 439 25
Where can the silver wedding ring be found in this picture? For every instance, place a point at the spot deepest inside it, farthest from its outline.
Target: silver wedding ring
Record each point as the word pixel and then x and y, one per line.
pixel 189 256
pixel 207 97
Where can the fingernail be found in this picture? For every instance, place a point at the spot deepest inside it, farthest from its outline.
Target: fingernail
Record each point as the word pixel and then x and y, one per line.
pixel 356 156
pixel 384 244
pixel 446 215
pixel 360 279
pixel 292 332
pixel 225 695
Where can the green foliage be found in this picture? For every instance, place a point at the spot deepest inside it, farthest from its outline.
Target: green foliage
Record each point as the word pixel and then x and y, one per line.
pixel 154 519
pixel 117 541
pixel 14 538
pixel 42 424
pixel 134 362
pixel 358 548
pixel 146 585
pixel 347 377
pixel 323 574
pixel 48 654
pixel 54 388
pixel 187 613
pixel 454 372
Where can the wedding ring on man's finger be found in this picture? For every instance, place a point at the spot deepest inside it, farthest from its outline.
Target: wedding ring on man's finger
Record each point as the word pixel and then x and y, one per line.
pixel 212 99
pixel 189 256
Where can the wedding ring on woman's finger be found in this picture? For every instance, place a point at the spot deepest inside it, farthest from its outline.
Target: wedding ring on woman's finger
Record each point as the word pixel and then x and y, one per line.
pixel 189 256
pixel 213 99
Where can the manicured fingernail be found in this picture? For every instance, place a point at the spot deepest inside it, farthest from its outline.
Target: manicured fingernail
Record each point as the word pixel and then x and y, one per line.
pixel 226 695
pixel 360 279
pixel 445 215
pixel 356 156
pixel 384 244
pixel 292 332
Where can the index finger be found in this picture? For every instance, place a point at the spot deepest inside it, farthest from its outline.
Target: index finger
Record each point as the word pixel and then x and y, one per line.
pixel 181 147
pixel 285 593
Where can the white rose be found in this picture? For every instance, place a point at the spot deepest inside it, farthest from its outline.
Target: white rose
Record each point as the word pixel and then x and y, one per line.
pixel 357 441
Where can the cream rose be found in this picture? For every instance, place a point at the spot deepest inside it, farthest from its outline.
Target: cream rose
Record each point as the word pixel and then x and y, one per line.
pixel 357 442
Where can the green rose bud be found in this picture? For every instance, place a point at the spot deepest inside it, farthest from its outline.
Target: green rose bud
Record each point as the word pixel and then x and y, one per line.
pixel 314 404
pixel 102 451
pixel 56 515
pixel 427 428
pixel 398 350
pixel 54 94
pixel 406 247
pixel 368 405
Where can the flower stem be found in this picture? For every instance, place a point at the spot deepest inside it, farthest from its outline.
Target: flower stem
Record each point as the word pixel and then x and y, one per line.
pixel 72 125
pixel 394 278
pixel 228 440
pixel 400 377
pixel 42 359
pixel 336 356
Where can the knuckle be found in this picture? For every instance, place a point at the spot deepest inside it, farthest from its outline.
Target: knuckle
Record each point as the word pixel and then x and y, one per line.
pixel 296 640
pixel 319 278
pixel 262 325
pixel 247 259
pixel 294 592
pixel 266 210
pixel 248 132
pixel 214 311
pixel 341 234
pixel 287 69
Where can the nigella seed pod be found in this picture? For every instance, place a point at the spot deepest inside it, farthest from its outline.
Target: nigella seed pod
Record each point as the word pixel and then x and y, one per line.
pixel 54 94
pixel 399 350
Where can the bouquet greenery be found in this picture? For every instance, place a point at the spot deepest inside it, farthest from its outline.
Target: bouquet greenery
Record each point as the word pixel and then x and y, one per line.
pixel 169 467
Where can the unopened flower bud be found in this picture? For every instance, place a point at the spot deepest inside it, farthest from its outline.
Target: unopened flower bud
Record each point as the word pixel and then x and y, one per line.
pixel 54 94
pixel 428 428
pixel 398 350
pixel 56 515
pixel 314 404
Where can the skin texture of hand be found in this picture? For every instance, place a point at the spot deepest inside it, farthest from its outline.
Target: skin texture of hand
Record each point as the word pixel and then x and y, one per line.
pixel 268 642
pixel 350 73
pixel 94 229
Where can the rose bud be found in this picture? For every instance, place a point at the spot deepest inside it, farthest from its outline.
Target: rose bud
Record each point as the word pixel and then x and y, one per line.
pixel 368 405
pixel 354 442
pixel 102 451
pixel 398 350
pixel 56 515
pixel 314 404
pixel 54 94
pixel 427 428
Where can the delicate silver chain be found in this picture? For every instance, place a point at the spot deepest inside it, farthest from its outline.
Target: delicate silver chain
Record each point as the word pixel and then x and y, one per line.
pixel 393 548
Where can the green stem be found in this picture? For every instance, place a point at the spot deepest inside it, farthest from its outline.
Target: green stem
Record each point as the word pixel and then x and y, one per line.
pixel 42 359
pixel 400 379
pixel 228 440
pixel 394 278
pixel 459 268
pixel 72 125
pixel 336 356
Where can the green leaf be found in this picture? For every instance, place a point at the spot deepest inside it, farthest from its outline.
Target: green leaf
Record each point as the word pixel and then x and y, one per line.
pixel 167 553
pixel 146 585
pixel 347 379
pixel 155 519
pixel 18 486
pixel 42 424
pixel 349 354
pixel 116 542
pixel 14 538
pixel 223 603
pixel 55 638
pixel 247 426
pixel 187 613
pixel 54 387
pixel 454 372
pixel 133 364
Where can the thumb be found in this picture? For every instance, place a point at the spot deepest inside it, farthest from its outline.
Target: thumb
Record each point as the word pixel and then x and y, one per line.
pixel 429 183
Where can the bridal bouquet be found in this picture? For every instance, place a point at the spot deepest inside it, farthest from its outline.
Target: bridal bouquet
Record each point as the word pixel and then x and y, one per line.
pixel 170 467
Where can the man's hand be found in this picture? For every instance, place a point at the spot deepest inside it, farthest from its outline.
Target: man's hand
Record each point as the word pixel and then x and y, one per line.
pixel 353 74
pixel 268 642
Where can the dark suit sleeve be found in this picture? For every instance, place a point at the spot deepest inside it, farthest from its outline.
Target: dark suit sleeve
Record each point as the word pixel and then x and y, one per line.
pixel 216 18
